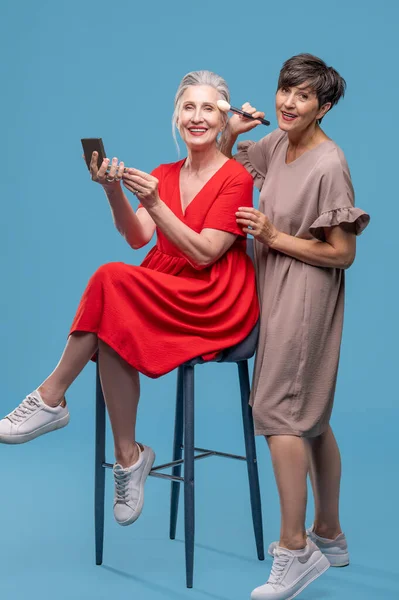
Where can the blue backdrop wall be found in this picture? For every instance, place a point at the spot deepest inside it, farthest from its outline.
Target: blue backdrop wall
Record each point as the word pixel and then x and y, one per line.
pixel 81 69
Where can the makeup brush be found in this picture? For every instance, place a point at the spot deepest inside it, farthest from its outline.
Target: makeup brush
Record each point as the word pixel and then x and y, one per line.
pixel 226 107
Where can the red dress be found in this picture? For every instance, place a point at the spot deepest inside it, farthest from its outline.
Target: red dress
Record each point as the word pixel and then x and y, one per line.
pixel 166 311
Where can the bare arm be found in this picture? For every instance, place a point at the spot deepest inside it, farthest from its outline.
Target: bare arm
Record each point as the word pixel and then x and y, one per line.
pixel 201 249
pixel 337 251
pixel 137 228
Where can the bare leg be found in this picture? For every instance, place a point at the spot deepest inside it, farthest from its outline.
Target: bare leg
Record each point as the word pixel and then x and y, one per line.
pixel 290 464
pixel 325 475
pixel 121 387
pixel 78 351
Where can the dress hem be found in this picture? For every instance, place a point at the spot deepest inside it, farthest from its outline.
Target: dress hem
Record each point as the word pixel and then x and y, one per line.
pixel 270 432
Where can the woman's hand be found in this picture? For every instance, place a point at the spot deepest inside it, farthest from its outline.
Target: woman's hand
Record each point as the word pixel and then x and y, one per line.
pixel 239 124
pixel 142 185
pixel 257 224
pixel 100 175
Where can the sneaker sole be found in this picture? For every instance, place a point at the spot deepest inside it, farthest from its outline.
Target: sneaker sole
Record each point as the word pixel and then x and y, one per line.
pixel 335 560
pixel 320 567
pixel 146 472
pixel 27 437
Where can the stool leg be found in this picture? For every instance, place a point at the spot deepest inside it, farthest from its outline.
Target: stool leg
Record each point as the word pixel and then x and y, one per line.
pixel 99 470
pixel 189 515
pixel 177 454
pixel 250 451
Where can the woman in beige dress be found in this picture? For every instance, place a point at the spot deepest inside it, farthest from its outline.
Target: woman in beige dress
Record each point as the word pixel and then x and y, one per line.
pixel 305 237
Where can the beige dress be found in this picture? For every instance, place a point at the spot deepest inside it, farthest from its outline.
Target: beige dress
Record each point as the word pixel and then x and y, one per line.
pixel 302 306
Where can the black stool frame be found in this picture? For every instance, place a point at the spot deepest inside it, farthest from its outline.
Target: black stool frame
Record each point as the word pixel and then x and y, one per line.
pixel 184 428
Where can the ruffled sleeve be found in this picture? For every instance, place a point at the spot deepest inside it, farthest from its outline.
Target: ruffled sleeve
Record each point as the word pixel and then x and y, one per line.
pixel 338 216
pixel 255 156
pixel 336 197
pixel 250 155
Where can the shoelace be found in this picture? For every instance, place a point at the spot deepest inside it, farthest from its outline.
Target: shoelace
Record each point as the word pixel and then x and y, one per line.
pixel 27 407
pixel 121 485
pixel 279 564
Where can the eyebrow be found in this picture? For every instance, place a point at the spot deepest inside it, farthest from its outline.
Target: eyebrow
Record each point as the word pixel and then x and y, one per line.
pixel 193 102
pixel 306 89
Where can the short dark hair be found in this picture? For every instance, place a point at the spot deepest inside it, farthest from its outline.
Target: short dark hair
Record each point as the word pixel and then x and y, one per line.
pixel 326 82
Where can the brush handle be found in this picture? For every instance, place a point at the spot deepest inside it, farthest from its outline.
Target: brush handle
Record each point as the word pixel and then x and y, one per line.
pixel 248 116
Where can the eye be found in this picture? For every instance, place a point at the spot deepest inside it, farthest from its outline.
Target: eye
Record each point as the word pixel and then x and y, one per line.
pixel 284 90
pixel 303 96
pixel 209 108
pixel 188 107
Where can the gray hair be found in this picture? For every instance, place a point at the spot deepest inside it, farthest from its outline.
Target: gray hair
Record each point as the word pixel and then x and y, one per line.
pixel 199 78
pixel 326 82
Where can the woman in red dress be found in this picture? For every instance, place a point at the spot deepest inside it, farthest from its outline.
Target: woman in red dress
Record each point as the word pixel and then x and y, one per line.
pixel 193 295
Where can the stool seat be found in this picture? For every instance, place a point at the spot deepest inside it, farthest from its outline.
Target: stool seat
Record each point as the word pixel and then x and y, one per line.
pixel 241 351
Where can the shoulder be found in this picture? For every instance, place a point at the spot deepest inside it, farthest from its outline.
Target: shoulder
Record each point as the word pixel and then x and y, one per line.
pixel 265 145
pixel 331 160
pixel 235 171
pixel 332 171
pixel 164 170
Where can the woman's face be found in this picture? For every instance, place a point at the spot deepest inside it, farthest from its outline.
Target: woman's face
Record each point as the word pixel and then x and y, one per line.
pixel 199 120
pixel 297 107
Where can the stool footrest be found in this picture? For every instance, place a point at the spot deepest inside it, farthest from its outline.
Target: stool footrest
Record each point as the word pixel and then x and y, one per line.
pixel 204 453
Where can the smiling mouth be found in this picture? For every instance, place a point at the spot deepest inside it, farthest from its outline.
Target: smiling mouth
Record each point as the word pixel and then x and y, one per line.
pixel 288 116
pixel 197 130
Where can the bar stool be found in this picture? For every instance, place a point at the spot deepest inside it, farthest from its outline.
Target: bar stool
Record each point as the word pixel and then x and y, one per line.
pixel 184 441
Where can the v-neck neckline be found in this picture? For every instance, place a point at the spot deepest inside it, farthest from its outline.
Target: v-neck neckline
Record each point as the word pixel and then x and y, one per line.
pixel 293 162
pixel 184 212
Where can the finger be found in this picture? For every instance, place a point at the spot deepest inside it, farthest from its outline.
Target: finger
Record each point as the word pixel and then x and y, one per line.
pixel 251 110
pixel 119 173
pixel 103 168
pixel 138 180
pixel 242 214
pixel 142 174
pixel 246 107
pixel 113 167
pixel 133 187
pixel 93 162
pixel 248 231
pixel 246 223
pixel 250 209
pixel 258 114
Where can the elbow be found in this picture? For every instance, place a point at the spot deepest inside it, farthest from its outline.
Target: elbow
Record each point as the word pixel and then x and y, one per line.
pixel 135 243
pixel 346 260
pixel 202 262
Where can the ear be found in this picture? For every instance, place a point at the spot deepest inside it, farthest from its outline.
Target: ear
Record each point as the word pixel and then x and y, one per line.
pixel 323 110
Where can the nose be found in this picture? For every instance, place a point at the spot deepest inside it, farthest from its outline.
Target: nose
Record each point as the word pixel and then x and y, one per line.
pixel 290 100
pixel 197 116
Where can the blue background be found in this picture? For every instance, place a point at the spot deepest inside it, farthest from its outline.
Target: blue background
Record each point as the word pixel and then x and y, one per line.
pixel 81 69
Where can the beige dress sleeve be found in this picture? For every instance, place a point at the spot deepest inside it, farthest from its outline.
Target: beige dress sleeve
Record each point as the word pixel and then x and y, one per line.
pixel 336 200
pixel 256 156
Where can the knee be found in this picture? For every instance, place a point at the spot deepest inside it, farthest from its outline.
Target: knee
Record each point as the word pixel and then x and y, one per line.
pixel 109 272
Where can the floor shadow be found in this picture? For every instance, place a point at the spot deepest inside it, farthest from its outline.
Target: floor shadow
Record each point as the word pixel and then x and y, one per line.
pixel 228 554
pixel 375 572
pixel 167 592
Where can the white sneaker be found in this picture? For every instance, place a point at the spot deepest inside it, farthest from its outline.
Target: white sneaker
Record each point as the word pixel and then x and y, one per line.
pixel 292 571
pixel 32 418
pixel 129 487
pixel 335 550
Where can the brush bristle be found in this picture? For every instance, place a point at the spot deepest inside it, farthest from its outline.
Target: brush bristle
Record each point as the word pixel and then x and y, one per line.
pixel 223 105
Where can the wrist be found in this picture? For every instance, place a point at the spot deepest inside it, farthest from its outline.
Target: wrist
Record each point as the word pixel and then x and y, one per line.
pixel 111 187
pixel 275 240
